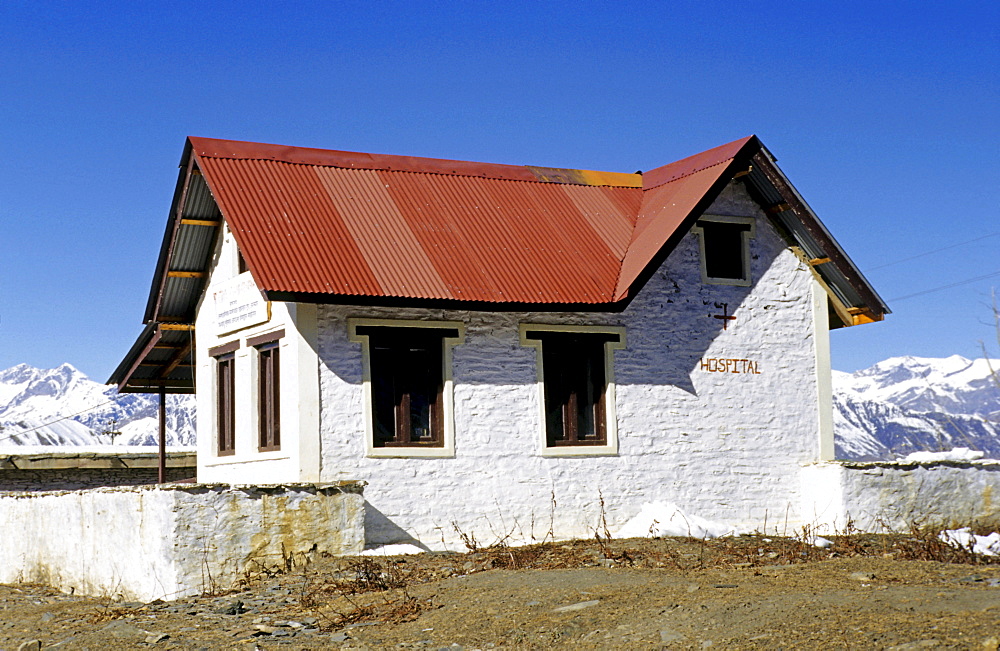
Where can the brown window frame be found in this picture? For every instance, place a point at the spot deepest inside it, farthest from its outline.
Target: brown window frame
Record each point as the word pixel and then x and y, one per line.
pixel 407 375
pixel 574 371
pixel 268 397
pixel 225 403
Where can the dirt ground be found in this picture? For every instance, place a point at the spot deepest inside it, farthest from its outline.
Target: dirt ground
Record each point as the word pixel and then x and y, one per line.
pixel 750 592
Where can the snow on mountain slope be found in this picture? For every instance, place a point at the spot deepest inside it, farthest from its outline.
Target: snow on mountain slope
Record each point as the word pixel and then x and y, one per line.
pixel 905 404
pixel 898 406
pixel 61 406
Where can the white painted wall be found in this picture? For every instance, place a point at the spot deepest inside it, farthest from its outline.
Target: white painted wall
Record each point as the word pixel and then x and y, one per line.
pixel 166 542
pixel 722 445
pixel 894 495
pixel 298 458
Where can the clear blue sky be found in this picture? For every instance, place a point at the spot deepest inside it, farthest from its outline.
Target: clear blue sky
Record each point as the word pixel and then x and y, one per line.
pixel 884 115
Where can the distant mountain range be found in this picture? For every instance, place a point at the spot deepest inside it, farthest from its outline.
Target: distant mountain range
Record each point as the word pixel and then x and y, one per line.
pixel 898 406
pixel 906 404
pixel 61 406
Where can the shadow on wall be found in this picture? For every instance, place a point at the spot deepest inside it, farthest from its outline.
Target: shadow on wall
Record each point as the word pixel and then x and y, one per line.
pixel 380 530
pixel 685 316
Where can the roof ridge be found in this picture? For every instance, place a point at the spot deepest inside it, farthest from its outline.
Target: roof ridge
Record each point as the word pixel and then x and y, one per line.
pixel 243 150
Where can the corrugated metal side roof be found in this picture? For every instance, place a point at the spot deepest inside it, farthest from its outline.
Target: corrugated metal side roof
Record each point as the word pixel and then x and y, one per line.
pixel 673 196
pixel 428 235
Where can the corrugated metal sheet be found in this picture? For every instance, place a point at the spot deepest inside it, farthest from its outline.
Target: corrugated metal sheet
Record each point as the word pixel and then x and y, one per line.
pixel 392 231
pixel 330 225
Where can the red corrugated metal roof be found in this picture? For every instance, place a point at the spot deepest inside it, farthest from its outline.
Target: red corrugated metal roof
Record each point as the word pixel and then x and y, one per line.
pixel 317 222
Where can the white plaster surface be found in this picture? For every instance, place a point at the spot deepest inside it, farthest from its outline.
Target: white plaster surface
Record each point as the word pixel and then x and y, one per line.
pixel 727 446
pixel 298 458
pixel 145 543
pixel 894 495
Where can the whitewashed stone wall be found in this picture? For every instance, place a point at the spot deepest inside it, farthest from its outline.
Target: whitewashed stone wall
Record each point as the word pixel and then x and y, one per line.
pixel 893 495
pixel 166 542
pixel 727 446
pixel 298 458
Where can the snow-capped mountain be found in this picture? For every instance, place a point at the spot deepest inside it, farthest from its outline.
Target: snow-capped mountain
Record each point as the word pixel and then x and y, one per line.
pixel 906 404
pixel 61 406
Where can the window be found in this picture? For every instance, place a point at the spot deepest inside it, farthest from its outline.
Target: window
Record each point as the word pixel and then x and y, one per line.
pixel 725 249
pixel 577 386
pixel 268 389
pixel 408 386
pixel 225 390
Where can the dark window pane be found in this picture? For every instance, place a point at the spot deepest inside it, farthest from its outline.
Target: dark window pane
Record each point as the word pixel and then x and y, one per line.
pixel 574 386
pixel 407 385
pixel 226 407
pixel 724 254
pixel 268 400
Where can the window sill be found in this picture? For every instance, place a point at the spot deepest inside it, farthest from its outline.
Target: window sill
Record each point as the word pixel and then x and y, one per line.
pixel 403 452
pixel 256 458
pixel 580 451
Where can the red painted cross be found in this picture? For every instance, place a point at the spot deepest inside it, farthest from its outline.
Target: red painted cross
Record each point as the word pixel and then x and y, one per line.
pixel 724 317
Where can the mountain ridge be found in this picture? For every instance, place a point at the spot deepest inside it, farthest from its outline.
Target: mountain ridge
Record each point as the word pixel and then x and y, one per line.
pixel 897 406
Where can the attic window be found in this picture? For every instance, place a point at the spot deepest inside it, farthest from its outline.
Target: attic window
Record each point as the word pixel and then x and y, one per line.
pixel 724 244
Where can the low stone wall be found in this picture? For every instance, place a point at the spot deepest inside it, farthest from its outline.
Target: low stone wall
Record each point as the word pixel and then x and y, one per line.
pixel 67 470
pixel 170 541
pixel 893 495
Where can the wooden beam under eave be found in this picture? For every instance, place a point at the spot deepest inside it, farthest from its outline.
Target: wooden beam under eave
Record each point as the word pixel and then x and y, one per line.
pixel 177 359
pixel 176 326
pixel 189 221
pixel 815 262
pixel 186 274
pixel 839 308
pixel 862 315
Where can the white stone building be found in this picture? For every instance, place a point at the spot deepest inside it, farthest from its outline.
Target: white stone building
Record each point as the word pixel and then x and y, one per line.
pixel 501 350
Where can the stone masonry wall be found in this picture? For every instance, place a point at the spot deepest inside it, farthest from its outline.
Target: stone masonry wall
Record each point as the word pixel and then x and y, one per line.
pixel 723 445
pixel 67 470
pixel 170 541
pixel 894 495
pixel 79 478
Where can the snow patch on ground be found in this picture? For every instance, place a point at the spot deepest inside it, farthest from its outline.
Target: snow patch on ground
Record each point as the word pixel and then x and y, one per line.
pixel 965 539
pixel 662 519
pixel 400 549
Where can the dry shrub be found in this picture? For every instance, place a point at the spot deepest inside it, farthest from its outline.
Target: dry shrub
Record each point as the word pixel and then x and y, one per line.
pixel 924 543
pixel 345 597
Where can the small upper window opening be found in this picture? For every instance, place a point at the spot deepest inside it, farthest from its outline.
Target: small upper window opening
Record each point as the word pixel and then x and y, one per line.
pixel 725 250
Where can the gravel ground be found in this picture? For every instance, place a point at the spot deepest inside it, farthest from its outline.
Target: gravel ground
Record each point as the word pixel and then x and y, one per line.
pixel 865 592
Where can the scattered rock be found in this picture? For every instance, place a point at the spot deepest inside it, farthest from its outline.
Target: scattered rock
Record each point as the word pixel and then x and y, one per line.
pixel 725 585
pixel 235 608
pixel 861 576
pixel 153 638
pixel 31 645
pixel 667 636
pixel 913 646
pixel 577 606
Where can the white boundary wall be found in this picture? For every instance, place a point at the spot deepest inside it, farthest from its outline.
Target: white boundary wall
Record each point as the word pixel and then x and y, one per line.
pixel 893 495
pixel 167 542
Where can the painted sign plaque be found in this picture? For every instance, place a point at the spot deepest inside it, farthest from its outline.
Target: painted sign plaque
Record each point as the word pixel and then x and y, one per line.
pixel 238 305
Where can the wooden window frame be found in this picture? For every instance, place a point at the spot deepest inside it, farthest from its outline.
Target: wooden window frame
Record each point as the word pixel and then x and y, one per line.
pixel 225 400
pixel 561 436
pixel 268 396
pixel 747 227
pixel 389 385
